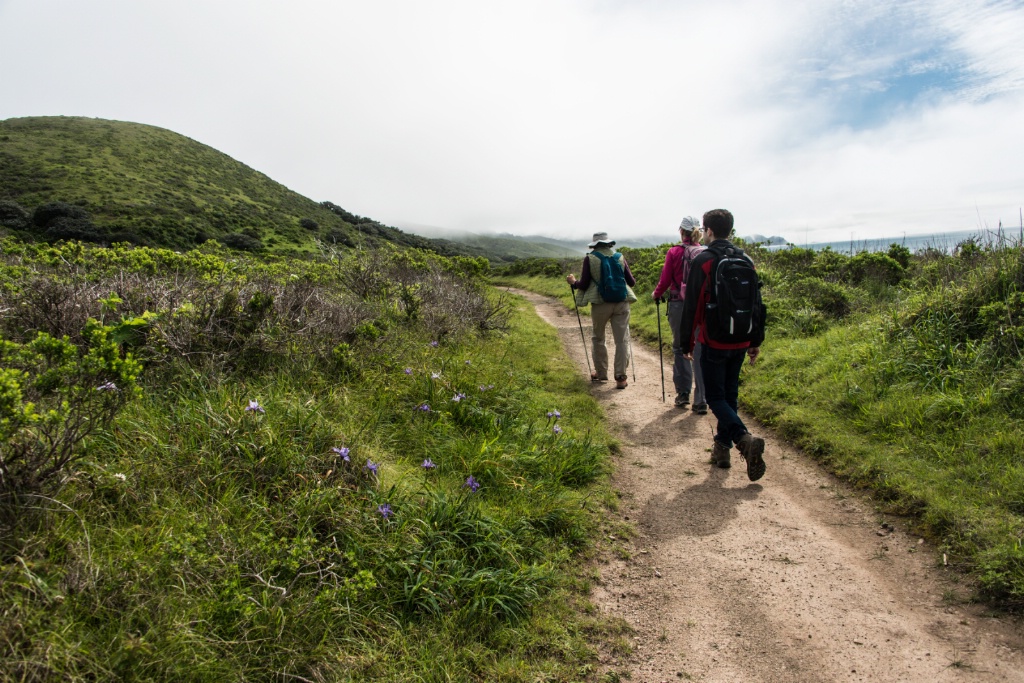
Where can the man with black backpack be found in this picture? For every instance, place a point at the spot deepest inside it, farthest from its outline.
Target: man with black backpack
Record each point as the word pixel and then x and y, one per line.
pixel 606 283
pixel 723 303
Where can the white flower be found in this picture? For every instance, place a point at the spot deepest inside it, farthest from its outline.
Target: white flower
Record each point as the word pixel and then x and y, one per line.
pixel 118 475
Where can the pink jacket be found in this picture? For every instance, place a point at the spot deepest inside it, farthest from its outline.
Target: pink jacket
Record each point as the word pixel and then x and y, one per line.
pixel 676 270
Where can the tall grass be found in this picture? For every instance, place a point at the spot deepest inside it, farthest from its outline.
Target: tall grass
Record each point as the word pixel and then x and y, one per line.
pixel 403 494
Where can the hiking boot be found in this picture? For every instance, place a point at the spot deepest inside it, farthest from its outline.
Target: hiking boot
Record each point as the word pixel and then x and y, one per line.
pixel 682 401
pixel 752 450
pixel 595 378
pixel 720 456
pixel 700 408
pixel 621 383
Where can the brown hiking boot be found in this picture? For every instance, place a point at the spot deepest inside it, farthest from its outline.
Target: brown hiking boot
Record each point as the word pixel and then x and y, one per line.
pixel 720 456
pixel 752 450
pixel 621 383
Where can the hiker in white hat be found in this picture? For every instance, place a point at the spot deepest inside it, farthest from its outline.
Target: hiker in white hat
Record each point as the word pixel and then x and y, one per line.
pixel 606 284
pixel 685 373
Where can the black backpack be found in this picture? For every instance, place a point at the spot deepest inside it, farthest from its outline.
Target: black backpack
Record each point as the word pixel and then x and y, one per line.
pixel 734 313
pixel 612 285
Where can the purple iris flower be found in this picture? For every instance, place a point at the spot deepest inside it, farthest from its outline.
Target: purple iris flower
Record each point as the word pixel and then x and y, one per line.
pixel 408 371
pixel 458 397
pixel 557 430
pixel 472 484
pixel 384 510
pixel 434 344
pixel 254 407
pixel 107 386
pixel 372 466
pixel 342 453
pixel 425 407
pixel 428 464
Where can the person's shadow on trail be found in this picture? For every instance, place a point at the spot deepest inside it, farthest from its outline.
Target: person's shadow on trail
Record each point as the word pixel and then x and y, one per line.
pixel 700 510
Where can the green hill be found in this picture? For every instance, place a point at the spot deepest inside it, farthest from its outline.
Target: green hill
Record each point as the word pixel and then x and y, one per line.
pixel 147 185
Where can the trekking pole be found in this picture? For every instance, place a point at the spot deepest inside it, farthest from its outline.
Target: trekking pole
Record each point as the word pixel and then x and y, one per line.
pixel 582 336
pixel 629 345
pixel 661 359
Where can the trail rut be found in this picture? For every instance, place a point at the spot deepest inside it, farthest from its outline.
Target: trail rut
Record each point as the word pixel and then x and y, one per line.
pixel 793 578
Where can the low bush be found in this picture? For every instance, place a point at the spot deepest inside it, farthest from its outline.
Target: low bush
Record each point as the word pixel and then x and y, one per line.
pixel 13 215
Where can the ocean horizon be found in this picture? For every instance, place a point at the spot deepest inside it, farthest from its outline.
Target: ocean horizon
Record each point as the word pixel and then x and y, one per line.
pixel 942 241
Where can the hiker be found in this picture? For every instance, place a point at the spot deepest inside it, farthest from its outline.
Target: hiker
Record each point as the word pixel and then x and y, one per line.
pixel 685 372
pixel 721 354
pixel 609 300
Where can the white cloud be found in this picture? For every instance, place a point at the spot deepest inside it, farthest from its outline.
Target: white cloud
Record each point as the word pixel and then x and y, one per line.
pixel 560 116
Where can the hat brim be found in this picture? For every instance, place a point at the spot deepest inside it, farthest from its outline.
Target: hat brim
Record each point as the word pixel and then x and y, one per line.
pixel 610 243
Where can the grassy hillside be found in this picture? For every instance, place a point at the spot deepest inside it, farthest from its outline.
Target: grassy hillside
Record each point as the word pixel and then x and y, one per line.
pixel 151 186
pixel 901 372
pixel 510 248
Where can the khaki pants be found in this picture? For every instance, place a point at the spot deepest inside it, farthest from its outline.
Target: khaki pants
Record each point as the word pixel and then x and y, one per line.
pixel 618 315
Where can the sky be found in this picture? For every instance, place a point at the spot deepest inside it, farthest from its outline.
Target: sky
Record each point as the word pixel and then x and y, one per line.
pixel 815 120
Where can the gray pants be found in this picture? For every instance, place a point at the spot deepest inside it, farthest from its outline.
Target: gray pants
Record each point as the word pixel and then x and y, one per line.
pixel 618 316
pixel 684 373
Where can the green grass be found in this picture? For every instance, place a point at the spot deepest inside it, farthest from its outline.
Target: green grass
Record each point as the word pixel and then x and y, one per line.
pixel 200 541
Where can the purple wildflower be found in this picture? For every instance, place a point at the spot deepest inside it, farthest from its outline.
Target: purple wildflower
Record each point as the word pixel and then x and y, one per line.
pixel 425 407
pixel 342 453
pixel 107 386
pixel 483 388
pixel 557 429
pixel 384 510
pixel 372 466
pixel 254 407
pixel 458 397
pixel 472 484
pixel 408 371
pixel 554 414
pixel 428 464
pixel 434 344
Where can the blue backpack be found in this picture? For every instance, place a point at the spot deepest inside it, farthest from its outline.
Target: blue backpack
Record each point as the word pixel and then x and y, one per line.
pixel 612 285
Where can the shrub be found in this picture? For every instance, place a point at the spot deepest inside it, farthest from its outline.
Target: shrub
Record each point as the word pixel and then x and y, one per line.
pixel 900 254
pixel 309 224
pixel 242 242
pixel 45 214
pixel 52 396
pixel 874 267
pixel 69 228
pixel 13 215
pixel 827 297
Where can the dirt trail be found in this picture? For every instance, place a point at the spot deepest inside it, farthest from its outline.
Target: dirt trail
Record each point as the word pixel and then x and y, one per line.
pixel 791 578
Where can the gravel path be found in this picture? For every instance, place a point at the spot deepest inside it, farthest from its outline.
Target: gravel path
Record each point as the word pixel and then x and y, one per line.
pixel 792 578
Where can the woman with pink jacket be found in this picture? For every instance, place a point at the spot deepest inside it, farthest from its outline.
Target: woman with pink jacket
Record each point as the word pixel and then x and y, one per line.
pixel 673 282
